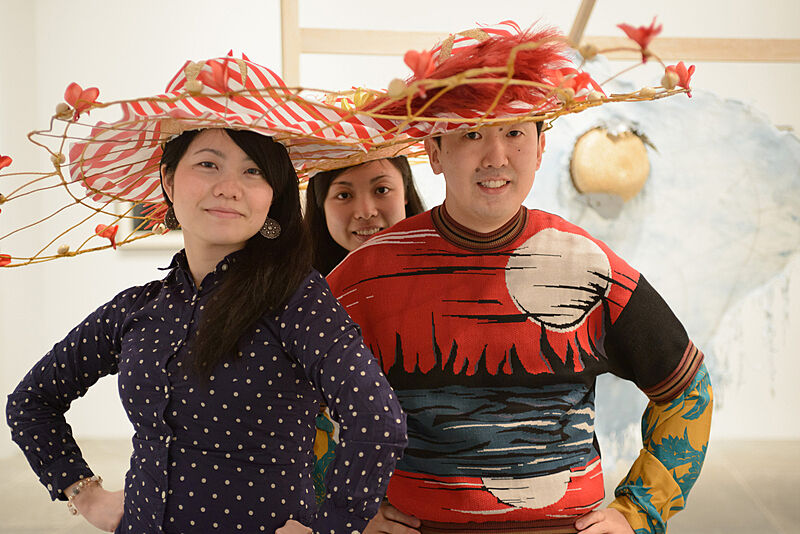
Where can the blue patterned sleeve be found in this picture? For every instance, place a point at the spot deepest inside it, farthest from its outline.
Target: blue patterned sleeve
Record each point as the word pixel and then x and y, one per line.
pixel 675 438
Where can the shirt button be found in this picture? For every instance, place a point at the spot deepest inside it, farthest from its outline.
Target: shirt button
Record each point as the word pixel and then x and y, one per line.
pixel 224 267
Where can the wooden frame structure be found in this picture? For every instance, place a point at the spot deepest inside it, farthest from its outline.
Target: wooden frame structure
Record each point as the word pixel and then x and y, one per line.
pixel 297 40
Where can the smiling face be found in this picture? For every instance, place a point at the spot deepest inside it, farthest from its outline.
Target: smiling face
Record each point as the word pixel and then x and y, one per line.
pixel 220 196
pixel 488 172
pixel 364 200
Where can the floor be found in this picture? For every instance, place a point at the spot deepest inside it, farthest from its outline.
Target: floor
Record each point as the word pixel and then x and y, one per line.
pixel 746 487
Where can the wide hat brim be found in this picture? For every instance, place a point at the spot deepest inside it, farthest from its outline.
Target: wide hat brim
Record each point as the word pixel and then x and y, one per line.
pixel 120 160
pixel 495 75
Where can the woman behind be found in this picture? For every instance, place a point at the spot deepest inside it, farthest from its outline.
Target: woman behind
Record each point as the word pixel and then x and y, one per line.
pixel 345 207
pixel 222 366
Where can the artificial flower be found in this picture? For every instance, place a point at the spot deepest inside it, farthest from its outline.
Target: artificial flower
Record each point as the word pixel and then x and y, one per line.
pixel 109 232
pixel 572 80
pixel 642 35
pixel 421 63
pixel 80 99
pixel 684 75
pixel 217 79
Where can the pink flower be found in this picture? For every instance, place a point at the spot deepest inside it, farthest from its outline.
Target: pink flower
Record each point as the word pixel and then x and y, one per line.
pixel 684 75
pixel 642 35
pixel 80 99
pixel 421 63
pixel 572 79
pixel 217 79
pixel 109 232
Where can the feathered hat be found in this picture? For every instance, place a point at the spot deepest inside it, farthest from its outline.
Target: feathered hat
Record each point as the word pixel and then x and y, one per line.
pixel 484 76
pixel 499 74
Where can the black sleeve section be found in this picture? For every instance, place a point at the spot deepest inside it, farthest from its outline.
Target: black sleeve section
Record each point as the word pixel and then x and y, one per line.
pixel 647 341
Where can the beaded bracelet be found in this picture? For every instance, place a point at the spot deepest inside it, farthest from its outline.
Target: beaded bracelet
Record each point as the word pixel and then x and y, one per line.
pixel 82 483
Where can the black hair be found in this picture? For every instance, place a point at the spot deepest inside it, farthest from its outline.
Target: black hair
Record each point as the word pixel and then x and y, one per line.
pixel 267 271
pixel 327 252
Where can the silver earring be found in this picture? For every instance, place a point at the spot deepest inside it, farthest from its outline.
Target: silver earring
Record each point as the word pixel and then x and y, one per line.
pixel 271 229
pixel 170 221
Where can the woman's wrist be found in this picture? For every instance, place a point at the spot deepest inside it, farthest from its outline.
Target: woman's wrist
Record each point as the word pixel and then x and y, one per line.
pixel 80 491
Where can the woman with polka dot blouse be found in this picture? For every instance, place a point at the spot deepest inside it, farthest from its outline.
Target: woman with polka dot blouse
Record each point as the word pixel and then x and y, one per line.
pixel 221 366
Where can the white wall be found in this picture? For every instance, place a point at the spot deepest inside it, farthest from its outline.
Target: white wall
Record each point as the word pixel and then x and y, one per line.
pixel 127 51
pixel 131 49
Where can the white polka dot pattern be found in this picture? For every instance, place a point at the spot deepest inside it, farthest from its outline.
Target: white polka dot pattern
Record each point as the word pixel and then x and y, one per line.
pixel 235 454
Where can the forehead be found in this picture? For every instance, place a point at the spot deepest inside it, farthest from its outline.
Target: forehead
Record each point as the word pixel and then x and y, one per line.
pixel 218 141
pixel 211 136
pixel 365 173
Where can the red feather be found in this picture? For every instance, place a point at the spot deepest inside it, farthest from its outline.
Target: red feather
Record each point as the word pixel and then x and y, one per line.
pixel 530 65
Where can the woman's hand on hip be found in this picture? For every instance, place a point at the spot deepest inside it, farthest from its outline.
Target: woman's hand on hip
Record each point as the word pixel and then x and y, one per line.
pixel 100 507
pixel 390 520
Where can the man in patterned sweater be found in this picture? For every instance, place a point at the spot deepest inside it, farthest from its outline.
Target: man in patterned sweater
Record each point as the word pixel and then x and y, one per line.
pixel 491 322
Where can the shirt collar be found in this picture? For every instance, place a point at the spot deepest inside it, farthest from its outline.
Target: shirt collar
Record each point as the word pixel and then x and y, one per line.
pixel 180 263
pixel 464 237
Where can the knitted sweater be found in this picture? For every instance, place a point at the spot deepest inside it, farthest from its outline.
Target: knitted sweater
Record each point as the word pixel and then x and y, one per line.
pixel 492 343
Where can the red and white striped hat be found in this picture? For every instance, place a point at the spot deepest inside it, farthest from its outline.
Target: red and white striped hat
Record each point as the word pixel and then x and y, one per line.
pixel 120 160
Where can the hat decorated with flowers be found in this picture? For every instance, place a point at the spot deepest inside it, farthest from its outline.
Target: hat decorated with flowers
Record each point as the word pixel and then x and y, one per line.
pixel 484 76
pixel 120 160
pixel 112 167
pixel 500 74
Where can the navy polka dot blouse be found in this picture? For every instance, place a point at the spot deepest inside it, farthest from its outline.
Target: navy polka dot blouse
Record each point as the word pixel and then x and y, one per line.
pixel 235 454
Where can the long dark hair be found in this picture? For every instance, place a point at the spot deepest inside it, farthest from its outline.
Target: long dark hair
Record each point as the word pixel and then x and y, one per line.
pixel 327 252
pixel 267 271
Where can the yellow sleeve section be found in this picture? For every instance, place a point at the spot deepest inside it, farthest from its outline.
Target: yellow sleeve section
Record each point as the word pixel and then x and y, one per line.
pixel 662 492
pixel 675 437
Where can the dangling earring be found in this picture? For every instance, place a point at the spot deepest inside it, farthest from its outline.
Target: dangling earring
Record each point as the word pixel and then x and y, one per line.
pixel 271 229
pixel 170 221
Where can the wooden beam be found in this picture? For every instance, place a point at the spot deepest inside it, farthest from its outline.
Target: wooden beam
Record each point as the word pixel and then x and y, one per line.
pixel 581 18
pixel 372 42
pixel 396 43
pixel 706 49
pixel 291 43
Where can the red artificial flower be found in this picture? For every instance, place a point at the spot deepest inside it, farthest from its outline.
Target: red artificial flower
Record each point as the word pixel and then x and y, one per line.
pixel 569 78
pixel 109 232
pixel 684 75
pixel 217 79
pixel 5 161
pixel 421 63
pixel 642 35
pixel 5 259
pixel 80 99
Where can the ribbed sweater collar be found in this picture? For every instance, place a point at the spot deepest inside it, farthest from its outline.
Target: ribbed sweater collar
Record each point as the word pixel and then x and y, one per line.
pixel 463 237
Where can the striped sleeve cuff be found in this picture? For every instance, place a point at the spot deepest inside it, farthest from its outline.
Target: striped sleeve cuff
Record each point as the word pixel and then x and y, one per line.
pixel 680 378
